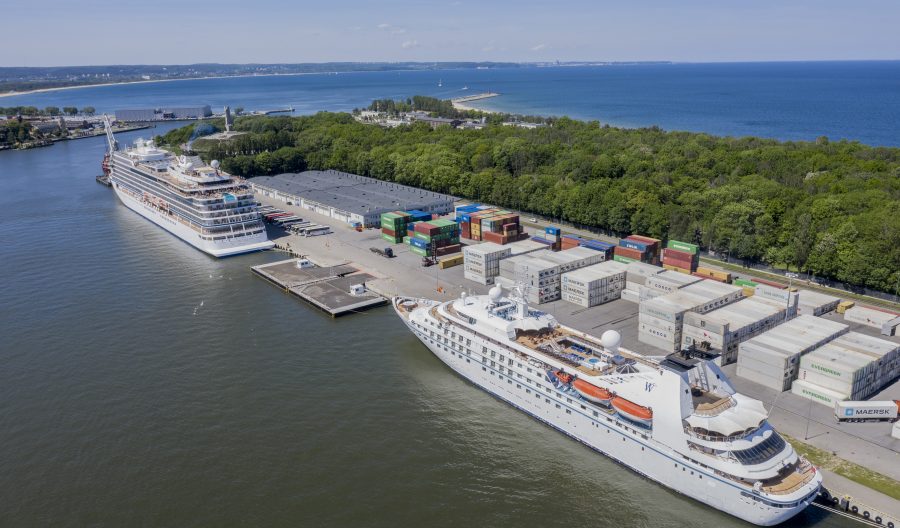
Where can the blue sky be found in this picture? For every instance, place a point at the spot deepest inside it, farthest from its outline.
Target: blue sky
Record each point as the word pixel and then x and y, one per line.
pixel 46 32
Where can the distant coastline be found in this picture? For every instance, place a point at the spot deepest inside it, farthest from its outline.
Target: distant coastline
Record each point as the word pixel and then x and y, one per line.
pixel 120 83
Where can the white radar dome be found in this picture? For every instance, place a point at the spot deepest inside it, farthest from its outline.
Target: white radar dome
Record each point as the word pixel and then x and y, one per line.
pixel 611 340
pixel 214 164
pixel 496 293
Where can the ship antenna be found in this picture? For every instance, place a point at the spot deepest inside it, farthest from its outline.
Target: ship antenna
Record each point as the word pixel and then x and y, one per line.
pixel 110 138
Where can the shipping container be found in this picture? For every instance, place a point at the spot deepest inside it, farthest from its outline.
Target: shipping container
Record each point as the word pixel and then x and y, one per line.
pixel 866 410
pixel 717 275
pixel 693 249
pixel 744 282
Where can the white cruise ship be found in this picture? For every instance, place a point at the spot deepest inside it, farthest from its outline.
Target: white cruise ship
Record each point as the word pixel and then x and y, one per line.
pixel 200 204
pixel 675 419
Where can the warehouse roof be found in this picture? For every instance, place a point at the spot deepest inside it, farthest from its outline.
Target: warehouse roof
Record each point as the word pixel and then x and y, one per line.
pixel 351 192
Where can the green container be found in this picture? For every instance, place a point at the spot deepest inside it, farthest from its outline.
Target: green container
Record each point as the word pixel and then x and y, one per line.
pixel 683 246
pixel 393 240
pixel 625 260
pixel 419 251
pixel 406 240
pixel 744 282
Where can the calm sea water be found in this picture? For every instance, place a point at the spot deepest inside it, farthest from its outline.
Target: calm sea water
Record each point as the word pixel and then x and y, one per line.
pixel 795 101
pixel 146 384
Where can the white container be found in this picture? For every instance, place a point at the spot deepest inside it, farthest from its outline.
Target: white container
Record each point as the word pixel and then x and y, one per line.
pixel 778 384
pixel 669 281
pixel 631 296
pixel 639 271
pixel 868 316
pixel 818 394
pixel 815 303
pixel 865 410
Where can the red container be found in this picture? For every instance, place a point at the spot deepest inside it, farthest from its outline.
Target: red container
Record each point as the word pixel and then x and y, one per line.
pixel 446 250
pixel 630 253
pixel 569 243
pixel 387 231
pixel 427 229
pixel 465 230
pixel 641 238
pixel 496 238
pixel 675 254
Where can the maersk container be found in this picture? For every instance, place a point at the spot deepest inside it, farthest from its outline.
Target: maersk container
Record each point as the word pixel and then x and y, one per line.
pixel 866 410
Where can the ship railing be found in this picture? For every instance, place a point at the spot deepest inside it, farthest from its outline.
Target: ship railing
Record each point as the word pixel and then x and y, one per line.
pixel 803 473
pixel 717 437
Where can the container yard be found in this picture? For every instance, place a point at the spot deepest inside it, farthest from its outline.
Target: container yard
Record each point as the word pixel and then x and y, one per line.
pixel 681 256
pixel 482 223
pixel 865 443
pixel 772 358
pixel 593 285
pixel 722 330
pixel 668 281
pixel 852 367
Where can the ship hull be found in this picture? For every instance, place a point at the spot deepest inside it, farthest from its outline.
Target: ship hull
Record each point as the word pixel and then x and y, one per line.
pixel 216 248
pixel 649 461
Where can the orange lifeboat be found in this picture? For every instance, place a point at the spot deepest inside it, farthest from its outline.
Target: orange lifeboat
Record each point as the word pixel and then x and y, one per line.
pixel 632 411
pixel 592 392
pixel 563 377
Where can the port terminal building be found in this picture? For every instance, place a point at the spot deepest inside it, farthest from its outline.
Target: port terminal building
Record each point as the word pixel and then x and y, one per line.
pixel 350 198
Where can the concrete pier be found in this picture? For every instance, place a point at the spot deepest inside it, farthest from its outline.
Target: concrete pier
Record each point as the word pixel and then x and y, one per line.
pixel 327 288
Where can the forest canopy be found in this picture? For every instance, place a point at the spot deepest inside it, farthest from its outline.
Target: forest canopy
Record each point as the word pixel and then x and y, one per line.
pixel 830 208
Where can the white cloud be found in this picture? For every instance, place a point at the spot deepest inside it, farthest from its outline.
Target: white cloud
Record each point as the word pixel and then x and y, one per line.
pixel 490 46
pixel 539 47
pixel 409 44
pixel 392 29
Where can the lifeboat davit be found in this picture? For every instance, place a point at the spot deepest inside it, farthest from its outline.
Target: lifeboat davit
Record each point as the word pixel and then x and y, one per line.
pixel 592 392
pixel 632 411
pixel 563 377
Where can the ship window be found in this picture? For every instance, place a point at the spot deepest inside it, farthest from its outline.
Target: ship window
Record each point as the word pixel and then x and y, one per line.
pixel 596 413
pixel 569 411
pixel 527 391
pixel 558 407
pixel 762 452
pixel 518 386
pixel 482 368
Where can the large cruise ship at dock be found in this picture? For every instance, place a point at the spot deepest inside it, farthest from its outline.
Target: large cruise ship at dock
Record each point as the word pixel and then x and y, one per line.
pixel 676 419
pixel 200 204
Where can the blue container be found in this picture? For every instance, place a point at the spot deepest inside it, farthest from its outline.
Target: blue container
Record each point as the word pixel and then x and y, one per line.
pixel 463 217
pixel 552 231
pixel 542 240
pixel 419 243
pixel 597 245
pixel 634 244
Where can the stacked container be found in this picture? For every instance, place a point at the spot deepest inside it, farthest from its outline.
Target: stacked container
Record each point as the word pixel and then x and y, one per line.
pixel 772 358
pixel 482 261
pixel 723 329
pixel 815 303
pixel 681 256
pixel 635 280
pixel 541 277
pixel 593 285
pixel 393 226
pixel 637 248
pixel 570 259
pixel 852 367
pixel 884 321
pixel 668 281
pixel 661 318
pixel 790 299
pixel 435 238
